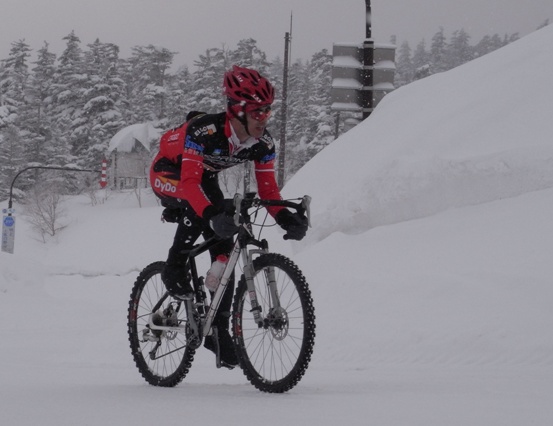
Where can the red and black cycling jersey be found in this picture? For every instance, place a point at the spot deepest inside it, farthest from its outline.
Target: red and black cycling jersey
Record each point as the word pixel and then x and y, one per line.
pixel 209 146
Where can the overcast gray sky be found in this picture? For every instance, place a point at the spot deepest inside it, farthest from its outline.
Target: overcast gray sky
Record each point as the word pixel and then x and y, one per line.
pixel 191 27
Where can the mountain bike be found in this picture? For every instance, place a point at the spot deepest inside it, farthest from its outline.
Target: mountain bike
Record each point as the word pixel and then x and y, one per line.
pixel 273 318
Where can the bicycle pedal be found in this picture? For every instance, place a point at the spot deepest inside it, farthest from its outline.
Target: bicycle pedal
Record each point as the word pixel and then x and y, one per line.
pixel 224 364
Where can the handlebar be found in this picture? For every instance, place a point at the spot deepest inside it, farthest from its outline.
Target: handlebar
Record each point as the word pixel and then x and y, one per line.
pixel 244 203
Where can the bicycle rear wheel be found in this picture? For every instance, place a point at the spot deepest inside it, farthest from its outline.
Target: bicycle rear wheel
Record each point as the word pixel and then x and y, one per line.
pixel 162 357
pixel 275 356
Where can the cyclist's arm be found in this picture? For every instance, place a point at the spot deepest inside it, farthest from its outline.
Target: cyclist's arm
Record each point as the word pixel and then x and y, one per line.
pixel 267 186
pixel 192 169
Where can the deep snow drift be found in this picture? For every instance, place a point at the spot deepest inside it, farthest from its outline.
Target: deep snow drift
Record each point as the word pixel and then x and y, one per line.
pixel 429 262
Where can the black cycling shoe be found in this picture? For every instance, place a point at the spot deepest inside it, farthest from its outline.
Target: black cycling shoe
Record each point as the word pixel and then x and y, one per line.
pixel 177 282
pixel 184 292
pixel 227 353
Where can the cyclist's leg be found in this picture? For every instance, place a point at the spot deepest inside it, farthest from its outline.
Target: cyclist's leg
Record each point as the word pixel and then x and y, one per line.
pixel 210 186
pixel 224 247
pixel 222 317
pixel 189 228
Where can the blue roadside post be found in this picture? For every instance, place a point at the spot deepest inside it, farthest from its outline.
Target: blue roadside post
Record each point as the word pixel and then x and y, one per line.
pixel 8 230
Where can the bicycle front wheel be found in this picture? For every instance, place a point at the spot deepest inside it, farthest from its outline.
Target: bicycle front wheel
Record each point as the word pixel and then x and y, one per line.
pixel 163 357
pixel 275 355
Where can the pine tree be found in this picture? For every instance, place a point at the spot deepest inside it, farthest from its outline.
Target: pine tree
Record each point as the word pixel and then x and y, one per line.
pixel 248 55
pixel 510 38
pixel 178 101
pixel 101 117
pixel 297 130
pixel 438 60
pixel 14 76
pixel 149 77
pixel 496 42
pixel 68 90
pixel 459 50
pixel 319 119
pixel 39 143
pixel 405 71
pixel 275 74
pixel 12 159
pixel 483 47
pixel 206 93
pixel 421 61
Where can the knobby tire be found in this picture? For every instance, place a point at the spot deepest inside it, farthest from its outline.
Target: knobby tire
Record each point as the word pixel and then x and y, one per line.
pixel 275 357
pixel 173 356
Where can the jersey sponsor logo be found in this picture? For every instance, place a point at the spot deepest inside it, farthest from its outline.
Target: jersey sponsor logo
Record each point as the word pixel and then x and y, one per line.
pixel 268 140
pixel 173 138
pixel 206 130
pixel 191 145
pixel 217 164
pixel 268 158
pixel 165 185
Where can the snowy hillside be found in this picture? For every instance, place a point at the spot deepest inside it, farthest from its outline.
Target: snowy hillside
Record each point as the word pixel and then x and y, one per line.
pixel 429 262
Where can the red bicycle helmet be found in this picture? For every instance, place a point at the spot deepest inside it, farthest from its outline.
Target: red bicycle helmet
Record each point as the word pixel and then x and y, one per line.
pixel 246 89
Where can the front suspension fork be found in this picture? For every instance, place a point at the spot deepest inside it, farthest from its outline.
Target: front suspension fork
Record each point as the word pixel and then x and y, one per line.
pixel 274 299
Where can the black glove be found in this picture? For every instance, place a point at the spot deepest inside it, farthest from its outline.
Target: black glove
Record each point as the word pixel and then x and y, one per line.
pixel 223 225
pixel 294 224
pixel 171 215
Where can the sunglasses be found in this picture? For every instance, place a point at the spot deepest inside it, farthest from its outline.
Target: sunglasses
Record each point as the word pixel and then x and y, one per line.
pixel 259 113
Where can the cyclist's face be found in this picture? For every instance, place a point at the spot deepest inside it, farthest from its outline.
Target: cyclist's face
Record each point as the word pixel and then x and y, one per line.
pixel 257 120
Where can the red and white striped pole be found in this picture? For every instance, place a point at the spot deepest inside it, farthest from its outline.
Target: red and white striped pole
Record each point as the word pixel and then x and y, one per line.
pixel 104 178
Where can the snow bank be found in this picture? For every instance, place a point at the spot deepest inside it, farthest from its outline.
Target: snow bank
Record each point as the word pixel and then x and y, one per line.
pixel 12 277
pixel 478 133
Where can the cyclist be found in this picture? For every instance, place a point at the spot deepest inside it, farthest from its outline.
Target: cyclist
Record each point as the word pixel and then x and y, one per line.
pixel 212 143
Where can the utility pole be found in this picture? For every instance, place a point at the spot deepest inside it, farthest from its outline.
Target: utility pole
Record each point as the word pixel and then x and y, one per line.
pixel 369 19
pixel 367 103
pixel 284 109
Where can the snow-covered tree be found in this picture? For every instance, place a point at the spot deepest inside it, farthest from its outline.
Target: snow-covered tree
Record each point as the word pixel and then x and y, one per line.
pixel 101 117
pixel 207 80
pixel 148 73
pixel 421 61
pixel 11 157
pixel 405 70
pixel 438 55
pixel 179 102
pixel 297 129
pixel 36 124
pixel 320 119
pixel 459 49
pixel 14 75
pixel 248 55
pixel 68 90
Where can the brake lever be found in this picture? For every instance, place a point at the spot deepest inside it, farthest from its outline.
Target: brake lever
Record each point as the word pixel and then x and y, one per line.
pixel 305 204
pixel 237 206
